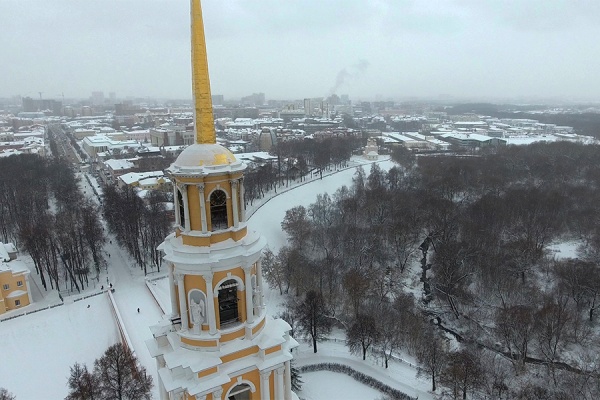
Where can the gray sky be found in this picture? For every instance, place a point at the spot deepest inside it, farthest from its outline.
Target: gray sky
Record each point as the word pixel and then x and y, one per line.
pixel 304 48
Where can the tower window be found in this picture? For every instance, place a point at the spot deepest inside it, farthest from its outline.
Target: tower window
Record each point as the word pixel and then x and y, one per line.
pixel 228 307
pixel 218 210
pixel 240 392
pixel 181 209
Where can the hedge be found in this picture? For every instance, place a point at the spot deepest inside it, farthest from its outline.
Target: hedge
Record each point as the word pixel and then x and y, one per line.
pixel 358 376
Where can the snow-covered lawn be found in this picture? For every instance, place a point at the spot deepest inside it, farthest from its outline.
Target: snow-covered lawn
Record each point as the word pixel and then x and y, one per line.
pixel 39 348
pixel 330 385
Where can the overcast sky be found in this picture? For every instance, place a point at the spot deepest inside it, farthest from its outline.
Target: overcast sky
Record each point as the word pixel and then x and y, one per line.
pixel 292 49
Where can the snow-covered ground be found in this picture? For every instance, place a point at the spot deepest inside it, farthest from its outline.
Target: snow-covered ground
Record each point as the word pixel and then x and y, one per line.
pixel 39 348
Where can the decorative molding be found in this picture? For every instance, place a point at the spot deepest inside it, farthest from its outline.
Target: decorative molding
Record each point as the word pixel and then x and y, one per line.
pixel 265 374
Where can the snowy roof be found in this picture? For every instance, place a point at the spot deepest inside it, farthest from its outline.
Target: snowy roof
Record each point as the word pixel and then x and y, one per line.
pixel 4 252
pixel 255 156
pixel 466 136
pixel 132 177
pixel 400 137
pixel 16 293
pixel 119 164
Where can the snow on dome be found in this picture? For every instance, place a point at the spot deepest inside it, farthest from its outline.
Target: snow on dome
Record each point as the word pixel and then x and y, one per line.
pixel 204 155
pixel 199 157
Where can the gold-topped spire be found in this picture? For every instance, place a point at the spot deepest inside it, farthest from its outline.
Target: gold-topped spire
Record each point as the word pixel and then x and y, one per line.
pixel 204 123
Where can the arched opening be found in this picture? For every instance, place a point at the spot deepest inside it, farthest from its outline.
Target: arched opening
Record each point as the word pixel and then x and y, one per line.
pixel 197 309
pixel 181 209
pixel 242 391
pixel 228 307
pixel 218 210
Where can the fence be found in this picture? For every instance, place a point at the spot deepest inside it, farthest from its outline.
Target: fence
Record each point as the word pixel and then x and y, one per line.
pixel 153 292
pixel 358 376
pixel 49 307
pixel 125 340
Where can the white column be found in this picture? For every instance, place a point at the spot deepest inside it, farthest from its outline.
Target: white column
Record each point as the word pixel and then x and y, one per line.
pixel 176 203
pixel 279 393
pixel 171 268
pixel 234 202
pixel 249 306
pixel 265 390
pixel 288 380
pixel 210 307
pixel 242 203
pixel 182 302
pixel 259 284
pixel 202 208
pixel 216 395
pixel 164 395
pixel 186 209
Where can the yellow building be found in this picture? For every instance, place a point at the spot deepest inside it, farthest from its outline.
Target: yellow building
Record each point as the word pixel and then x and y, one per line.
pixel 14 280
pixel 218 343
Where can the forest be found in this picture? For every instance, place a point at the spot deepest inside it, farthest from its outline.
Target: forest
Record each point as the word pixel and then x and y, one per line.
pixel 43 211
pixel 295 160
pixel 46 214
pixel 448 259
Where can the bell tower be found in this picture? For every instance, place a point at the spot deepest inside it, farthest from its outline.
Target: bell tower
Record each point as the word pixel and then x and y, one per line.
pixel 217 343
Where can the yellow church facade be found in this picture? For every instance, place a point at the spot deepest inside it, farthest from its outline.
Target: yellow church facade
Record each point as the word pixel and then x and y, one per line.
pixel 14 280
pixel 218 341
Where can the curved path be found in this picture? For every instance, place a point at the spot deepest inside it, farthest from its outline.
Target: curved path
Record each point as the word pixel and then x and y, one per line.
pixel 268 216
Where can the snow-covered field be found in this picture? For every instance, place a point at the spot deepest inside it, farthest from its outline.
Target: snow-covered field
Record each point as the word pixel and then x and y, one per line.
pixel 39 348
pixel 330 385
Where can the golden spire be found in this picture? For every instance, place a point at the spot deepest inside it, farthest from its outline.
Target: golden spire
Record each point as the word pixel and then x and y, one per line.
pixel 204 123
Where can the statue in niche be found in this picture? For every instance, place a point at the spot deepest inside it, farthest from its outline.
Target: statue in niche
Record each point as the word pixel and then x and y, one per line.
pixel 198 313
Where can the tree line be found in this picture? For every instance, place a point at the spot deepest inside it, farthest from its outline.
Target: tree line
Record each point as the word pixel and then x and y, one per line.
pixel 456 250
pixel 296 158
pixel 43 212
pixel 139 225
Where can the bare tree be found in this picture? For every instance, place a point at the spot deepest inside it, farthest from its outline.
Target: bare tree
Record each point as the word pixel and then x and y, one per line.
pixel 312 320
pixel 515 326
pixel 120 375
pixel 463 374
pixel 362 334
pixel 83 385
pixel 273 270
pixel 6 395
pixel 432 355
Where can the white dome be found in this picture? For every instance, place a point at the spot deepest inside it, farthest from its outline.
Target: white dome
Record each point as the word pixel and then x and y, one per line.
pixel 204 158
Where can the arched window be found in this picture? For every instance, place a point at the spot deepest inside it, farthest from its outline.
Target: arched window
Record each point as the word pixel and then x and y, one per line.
pixel 181 209
pixel 240 392
pixel 228 307
pixel 218 210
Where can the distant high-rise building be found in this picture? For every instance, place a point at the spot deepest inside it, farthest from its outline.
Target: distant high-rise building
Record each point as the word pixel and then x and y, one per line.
pixel 97 98
pixel 307 107
pixel 32 105
pixel 112 96
pixel 218 99
pixel 255 99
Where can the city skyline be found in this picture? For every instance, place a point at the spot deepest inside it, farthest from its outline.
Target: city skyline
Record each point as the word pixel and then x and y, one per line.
pixel 367 49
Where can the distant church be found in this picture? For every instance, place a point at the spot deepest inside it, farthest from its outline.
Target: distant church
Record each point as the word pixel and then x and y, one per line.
pixel 218 343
